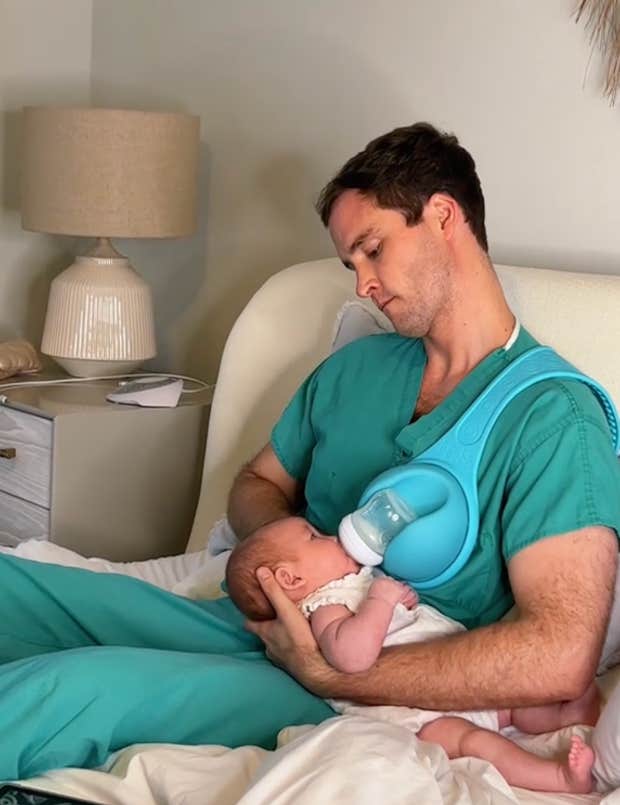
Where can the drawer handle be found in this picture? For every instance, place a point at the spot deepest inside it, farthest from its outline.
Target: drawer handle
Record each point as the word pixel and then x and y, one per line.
pixel 8 452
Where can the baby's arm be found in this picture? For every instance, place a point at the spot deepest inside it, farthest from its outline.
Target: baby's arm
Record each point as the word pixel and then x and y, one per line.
pixel 352 642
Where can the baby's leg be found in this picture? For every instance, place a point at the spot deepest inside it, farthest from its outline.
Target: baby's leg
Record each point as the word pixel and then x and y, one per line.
pixel 547 717
pixel 461 738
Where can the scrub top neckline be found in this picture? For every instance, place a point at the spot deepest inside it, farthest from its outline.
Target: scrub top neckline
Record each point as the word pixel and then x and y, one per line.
pixel 415 437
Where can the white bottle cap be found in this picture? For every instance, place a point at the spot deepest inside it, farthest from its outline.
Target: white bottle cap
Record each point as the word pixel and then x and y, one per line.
pixel 354 545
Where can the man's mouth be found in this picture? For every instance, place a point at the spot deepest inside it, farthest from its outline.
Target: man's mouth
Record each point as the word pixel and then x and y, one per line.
pixel 384 304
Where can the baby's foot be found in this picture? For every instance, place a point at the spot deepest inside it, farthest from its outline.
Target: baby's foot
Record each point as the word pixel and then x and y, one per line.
pixel 577 769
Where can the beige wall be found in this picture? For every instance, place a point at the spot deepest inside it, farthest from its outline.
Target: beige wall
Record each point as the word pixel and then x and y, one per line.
pixel 287 89
pixel 45 57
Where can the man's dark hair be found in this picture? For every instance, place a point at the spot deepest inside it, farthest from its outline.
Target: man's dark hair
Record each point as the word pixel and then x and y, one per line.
pixel 402 169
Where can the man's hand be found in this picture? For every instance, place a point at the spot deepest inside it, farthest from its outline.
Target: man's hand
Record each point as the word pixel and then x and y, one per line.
pixel 288 639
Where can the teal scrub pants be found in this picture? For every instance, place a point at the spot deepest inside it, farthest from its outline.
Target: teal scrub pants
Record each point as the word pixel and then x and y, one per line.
pixel 93 662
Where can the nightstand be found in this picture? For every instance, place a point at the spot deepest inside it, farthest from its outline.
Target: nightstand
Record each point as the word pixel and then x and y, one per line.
pixel 103 479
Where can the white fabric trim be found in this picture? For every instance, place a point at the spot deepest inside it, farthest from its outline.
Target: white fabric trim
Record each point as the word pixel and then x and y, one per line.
pixel 513 336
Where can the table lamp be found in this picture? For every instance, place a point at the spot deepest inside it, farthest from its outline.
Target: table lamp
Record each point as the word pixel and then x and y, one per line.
pixel 106 173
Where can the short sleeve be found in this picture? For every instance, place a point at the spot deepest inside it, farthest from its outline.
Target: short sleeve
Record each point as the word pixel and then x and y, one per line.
pixel 349 591
pixel 565 477
pixel 293 438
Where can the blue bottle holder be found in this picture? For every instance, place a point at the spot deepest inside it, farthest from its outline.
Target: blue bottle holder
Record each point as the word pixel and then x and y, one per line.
pixel 419 554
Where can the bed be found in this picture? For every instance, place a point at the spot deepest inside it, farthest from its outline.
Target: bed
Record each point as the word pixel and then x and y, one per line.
pixel 290 324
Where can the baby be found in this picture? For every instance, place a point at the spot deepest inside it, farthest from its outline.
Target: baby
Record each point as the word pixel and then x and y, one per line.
pixel 354 612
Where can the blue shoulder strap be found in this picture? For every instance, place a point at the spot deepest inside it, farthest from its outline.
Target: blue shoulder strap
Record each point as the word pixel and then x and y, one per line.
pixel 471 431
pixel 441 483
pixel 460 449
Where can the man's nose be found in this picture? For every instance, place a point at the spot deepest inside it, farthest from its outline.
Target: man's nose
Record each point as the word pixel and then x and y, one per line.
pixel 366 282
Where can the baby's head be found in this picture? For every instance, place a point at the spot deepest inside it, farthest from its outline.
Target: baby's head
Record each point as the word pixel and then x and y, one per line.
pixel 300 557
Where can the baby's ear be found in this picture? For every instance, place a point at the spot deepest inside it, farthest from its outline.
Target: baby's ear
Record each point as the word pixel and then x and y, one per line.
pixel 287 578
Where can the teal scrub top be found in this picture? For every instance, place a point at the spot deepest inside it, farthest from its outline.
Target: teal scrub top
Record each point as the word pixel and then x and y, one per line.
pixel 548 467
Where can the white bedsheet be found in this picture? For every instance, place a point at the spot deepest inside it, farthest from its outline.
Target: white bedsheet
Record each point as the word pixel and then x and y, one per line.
pixel 168 572
pixel 348 759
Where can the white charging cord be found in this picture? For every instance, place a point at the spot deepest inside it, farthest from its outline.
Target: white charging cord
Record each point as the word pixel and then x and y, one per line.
pixel 202 386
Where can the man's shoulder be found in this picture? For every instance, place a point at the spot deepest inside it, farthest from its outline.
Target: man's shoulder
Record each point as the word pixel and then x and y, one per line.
pixel 377 347
pixel 556 400
pixel 554 396
pixel 559 418
pixel 367 366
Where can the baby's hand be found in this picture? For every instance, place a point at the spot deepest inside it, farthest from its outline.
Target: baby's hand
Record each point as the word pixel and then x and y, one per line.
pixel 410 597
pixel 393 592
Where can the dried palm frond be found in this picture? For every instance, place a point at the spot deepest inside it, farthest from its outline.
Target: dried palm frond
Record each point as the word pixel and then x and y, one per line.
pixel 603 23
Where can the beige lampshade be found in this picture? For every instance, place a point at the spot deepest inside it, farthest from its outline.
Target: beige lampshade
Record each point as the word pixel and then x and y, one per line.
pixel 109 172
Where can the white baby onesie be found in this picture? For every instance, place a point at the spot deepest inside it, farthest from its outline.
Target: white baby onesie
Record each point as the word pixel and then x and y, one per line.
pixel 407 626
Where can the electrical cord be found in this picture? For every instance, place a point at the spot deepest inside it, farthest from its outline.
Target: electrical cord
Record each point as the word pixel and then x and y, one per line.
pixel 123 378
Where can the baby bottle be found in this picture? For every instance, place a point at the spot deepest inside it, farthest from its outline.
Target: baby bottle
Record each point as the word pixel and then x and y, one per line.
pixel 366 532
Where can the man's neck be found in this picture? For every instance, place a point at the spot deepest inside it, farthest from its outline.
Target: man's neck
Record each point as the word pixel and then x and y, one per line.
pixel 475 323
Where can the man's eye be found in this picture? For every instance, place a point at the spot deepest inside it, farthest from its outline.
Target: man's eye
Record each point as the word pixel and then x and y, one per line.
pixel 374 253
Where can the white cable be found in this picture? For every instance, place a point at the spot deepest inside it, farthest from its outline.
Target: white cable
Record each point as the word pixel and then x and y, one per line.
pixel 61 380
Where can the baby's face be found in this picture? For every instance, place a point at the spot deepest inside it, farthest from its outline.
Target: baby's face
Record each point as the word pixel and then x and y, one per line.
pixel 318 559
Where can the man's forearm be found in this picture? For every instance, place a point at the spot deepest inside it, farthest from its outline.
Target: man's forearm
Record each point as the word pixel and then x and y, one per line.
pixel 498 666
pixel 254 502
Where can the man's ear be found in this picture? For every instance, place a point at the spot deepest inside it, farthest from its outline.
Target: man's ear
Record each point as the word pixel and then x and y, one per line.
pixel 443 212
pixel 287 578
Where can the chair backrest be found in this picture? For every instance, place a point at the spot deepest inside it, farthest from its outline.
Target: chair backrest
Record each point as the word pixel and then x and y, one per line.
pixel 286 329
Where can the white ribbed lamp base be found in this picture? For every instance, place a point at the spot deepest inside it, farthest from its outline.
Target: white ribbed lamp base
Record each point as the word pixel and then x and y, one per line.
pixel 99 316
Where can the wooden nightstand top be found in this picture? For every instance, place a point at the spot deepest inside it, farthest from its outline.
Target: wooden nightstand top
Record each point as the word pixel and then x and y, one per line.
pixel 51 400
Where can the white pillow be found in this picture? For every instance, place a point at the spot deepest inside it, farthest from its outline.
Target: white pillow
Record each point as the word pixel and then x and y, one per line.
pixel 355 320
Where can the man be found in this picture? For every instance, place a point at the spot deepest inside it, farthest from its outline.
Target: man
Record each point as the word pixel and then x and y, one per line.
pixel 407 215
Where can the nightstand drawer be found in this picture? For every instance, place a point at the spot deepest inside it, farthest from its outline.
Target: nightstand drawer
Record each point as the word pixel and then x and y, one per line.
pixel 27 474
pixel 20 520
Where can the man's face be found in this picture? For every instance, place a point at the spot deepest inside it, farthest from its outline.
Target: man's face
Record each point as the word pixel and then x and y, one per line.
pixel 405 270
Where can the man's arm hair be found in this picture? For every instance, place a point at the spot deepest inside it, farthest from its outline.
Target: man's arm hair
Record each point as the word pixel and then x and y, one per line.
pixel 563 587
pixel 262 492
